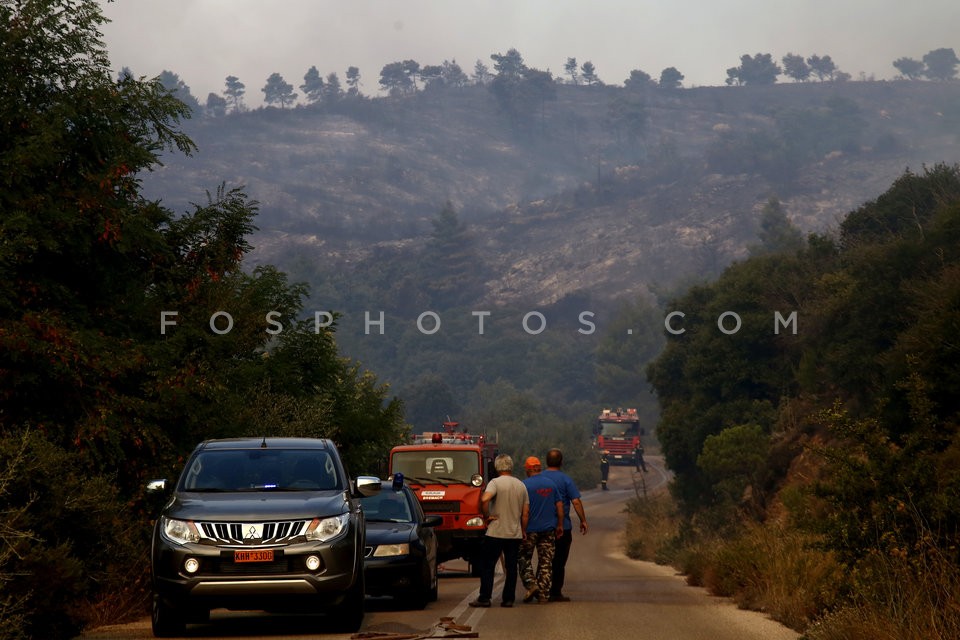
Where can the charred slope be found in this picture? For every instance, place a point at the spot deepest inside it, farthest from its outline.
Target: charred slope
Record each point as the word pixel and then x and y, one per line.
pixel 599 190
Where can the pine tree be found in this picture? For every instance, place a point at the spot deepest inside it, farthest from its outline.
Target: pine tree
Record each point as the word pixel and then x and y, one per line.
pixel 278 90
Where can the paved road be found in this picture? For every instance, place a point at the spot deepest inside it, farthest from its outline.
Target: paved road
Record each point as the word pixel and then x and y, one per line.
pixel 612 597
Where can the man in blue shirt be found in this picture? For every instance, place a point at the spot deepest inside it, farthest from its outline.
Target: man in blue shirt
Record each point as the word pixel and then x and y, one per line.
pixel 570 496
pixel 544 526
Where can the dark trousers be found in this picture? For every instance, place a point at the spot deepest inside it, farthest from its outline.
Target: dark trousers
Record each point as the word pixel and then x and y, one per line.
pixel 491 549
pixel 560 554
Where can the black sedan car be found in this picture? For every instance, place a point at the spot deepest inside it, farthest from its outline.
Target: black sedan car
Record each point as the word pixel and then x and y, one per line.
pixel 400 558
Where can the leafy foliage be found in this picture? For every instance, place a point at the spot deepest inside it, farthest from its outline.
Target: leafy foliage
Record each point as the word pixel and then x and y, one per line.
pixel 777 234
pixel 941 64
pixel 521 91
pixel 589 74
pixel 234 91
pixel 670 78
pixel 632 339
pixel 823 67
pixel 179 89
pixel 627 120
pixel 278 91
pixel 796 67
pixel 142 324
pixel 909 68
pixel 708 380
pixel 757 69
pixel 452 271
pixel 570 68
pixel 312 86
pixel 638 80
pixel 397 78
pixel 732 459
pixel 800 136
pixel 528 424
pixel 869 382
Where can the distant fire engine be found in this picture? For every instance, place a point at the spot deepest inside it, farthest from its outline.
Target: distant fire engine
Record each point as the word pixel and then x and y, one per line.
pixel 618 433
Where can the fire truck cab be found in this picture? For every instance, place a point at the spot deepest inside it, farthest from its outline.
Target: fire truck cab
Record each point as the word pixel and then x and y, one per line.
pixel 618 433
pixel 448 470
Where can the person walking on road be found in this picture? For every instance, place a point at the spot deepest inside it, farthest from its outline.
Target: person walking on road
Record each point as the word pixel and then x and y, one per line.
pixel 506 508
pixel 570 496
pixel 604 470
pixel 544 527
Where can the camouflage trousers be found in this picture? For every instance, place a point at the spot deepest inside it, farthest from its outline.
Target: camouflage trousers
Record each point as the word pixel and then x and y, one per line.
pixel 543 543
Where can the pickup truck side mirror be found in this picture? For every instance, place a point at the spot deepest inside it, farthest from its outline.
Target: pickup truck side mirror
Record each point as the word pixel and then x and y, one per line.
pixel 157 486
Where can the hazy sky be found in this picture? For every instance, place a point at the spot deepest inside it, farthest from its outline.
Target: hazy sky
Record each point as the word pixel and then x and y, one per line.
pixel 204 41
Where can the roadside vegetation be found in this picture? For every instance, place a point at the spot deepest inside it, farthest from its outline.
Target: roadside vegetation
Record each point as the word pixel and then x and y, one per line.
pixel 793 577
pixel 96 394
pixel 816 471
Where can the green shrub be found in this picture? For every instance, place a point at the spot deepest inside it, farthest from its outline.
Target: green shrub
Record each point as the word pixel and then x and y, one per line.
pixel 66 551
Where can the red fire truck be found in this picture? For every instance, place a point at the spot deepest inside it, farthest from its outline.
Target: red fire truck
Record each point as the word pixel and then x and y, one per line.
pixel 448 470
pixel 618 433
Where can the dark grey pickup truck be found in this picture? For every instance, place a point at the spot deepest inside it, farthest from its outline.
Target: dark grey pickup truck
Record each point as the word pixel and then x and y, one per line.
pixel 269 524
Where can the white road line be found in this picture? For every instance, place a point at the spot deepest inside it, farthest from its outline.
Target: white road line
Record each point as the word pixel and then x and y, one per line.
pixel 473 621
pixel 475 613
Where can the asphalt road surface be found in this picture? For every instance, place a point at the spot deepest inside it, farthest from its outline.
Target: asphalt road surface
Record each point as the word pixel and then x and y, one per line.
pixel 612 597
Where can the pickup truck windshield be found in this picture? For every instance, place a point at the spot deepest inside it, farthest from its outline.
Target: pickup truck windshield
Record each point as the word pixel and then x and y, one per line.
pixel 261 470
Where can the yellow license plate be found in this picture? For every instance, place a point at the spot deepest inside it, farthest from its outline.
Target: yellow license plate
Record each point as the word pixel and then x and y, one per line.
pixel 259 555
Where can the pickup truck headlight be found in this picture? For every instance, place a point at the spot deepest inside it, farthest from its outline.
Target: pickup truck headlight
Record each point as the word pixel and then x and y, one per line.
pixel 323 529
pixel 179 531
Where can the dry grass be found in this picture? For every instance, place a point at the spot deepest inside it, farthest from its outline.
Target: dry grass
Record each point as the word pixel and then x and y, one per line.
pixel 128 602
pixel 897 597
pixel 766 568
pixel 652 525
pixel 777 570
pixel 784 573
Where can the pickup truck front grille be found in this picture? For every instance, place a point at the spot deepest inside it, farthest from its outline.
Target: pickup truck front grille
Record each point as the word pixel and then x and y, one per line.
pixel 255 533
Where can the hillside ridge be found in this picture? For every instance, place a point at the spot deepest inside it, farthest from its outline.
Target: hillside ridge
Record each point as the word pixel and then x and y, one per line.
pixel 569 203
